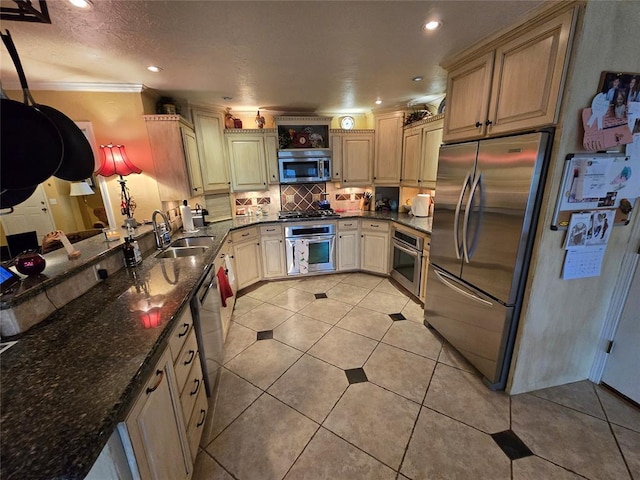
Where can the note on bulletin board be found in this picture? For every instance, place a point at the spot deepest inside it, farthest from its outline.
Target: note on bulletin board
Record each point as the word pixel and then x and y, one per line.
pixel 597 181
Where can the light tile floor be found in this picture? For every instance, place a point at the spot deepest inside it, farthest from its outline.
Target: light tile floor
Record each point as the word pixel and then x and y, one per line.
pixel 340 390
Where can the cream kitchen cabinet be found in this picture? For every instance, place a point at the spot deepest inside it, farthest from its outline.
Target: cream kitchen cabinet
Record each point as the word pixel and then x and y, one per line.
pixel 512 82
pixel 273 255
pixel 172 143
pixel 154 432
pixel 247 160
pixel 246 253
pixel 421 145
pixel 352 156
pixel 212 150
pixel 271 153
pixel 388 149
pixel 348 245
pixel 374 246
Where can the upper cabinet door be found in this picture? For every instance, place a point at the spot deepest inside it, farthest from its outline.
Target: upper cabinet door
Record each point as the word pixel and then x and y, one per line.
pixel 209 127
pixel 247 160
pixel 271 151
pixel 388 151
pixel 431 141
pixel 468 93
pixel 193 161
pixel 169 157
pixel 357 159
pixel 411 156
pixel 528 76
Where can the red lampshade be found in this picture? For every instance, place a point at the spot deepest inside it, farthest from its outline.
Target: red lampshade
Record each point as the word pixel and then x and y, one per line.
pixel 115 162
pixel 152 318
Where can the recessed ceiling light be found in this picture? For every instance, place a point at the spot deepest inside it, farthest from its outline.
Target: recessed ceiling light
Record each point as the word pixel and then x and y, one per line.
pixel 378 102
pixel 417 79
pixel 84 4
pixel 154 68
pixel 432 25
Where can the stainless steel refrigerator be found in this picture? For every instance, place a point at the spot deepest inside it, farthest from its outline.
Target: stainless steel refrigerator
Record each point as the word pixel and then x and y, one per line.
pixel 488 197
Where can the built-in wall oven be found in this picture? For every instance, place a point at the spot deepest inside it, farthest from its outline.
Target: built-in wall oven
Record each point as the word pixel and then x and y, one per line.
pixel 407 260
pixel 310 248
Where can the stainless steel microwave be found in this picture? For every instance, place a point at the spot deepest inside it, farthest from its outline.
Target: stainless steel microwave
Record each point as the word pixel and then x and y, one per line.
pixel 305 166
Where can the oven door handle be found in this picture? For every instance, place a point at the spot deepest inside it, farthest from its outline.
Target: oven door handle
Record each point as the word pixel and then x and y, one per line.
pixel 410 251
pixel 311 238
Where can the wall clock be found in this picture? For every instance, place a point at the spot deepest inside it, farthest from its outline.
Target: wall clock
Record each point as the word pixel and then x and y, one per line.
pixel 347 123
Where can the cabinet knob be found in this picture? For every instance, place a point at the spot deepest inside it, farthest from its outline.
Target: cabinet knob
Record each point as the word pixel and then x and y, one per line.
pixel 488 122
pixel 478 124
pixel 375 178
pixel 419 181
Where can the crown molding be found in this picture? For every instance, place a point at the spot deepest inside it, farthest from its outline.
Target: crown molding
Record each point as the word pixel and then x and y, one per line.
pixel 78 86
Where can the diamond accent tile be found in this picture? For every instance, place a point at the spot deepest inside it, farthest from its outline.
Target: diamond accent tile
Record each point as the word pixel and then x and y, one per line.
pixel 321 295
pixel 265 335
pixel 356 375
pixel 397 316
pixel 511 445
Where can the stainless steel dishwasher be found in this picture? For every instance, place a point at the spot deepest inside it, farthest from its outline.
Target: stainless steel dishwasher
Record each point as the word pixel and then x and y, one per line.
pixel 205 307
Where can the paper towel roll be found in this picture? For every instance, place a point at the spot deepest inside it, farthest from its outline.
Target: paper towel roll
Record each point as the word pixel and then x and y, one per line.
pixel 187 219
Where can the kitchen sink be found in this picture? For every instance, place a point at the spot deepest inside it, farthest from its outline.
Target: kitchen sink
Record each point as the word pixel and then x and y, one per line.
pixel 193 242
pixel 176 252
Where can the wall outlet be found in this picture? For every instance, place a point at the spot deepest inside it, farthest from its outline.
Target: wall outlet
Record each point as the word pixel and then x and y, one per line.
pixel 96 269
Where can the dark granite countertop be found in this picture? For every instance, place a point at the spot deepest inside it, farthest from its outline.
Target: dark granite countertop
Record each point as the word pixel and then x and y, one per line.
pixel 69 380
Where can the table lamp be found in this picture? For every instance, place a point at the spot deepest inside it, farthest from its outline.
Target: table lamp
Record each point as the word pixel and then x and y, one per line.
pixel 115 162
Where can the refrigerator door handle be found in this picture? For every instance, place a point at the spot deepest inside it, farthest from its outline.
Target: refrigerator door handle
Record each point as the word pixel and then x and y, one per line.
pixel 465 224
pixel 443 278
pixel 456 219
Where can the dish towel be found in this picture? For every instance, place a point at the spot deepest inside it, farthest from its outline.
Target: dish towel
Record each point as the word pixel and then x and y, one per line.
pixel 225 288
pixel 301 255
pixel 229 267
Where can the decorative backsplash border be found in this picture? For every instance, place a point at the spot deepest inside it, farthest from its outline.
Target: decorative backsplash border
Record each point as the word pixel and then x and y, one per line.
pixel 249 201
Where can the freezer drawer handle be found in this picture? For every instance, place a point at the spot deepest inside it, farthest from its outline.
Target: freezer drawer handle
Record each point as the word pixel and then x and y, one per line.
pixel 456 219
pixel 459 290
pixel 465 225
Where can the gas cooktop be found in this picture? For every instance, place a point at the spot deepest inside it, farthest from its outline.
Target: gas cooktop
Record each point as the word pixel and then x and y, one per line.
pixel 301 214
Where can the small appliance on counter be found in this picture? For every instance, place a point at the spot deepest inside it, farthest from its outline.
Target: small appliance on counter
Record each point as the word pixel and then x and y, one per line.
pixel 420 205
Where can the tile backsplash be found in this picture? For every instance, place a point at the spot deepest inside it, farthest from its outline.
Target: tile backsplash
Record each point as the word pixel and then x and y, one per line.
pixel 302 197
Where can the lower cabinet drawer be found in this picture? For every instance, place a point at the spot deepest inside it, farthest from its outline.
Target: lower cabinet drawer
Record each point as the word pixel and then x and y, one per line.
pixel 375 225
pixel 186 359
pixel 194 385
pixel 180 332
pixel 196 423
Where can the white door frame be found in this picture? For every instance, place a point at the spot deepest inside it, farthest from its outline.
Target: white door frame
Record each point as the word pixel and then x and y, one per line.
pixel 618 298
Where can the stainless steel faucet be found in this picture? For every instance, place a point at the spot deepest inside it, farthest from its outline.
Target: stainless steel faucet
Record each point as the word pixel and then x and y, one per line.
pixel 161 231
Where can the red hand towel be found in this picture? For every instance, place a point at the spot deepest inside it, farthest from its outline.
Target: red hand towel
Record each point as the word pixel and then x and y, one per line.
pixel 225 288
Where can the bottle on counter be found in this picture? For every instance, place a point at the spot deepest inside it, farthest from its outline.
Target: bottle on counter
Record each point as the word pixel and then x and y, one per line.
pixel 129 253
pixel 132 252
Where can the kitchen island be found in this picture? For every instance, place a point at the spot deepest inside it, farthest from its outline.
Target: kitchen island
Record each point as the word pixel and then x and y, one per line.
pixel 71 379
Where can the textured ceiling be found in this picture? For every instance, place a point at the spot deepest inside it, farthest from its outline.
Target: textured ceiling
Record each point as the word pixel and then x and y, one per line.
pixel 315 56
